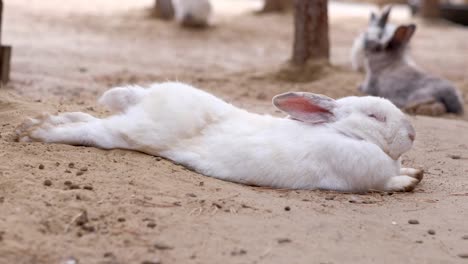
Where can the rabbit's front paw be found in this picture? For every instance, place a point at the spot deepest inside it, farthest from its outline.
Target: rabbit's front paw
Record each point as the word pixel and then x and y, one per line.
pixel 415 173
pixel 402 183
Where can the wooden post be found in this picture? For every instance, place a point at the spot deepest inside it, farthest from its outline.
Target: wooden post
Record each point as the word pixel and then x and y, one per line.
pixel 277 6
pixel 5 54
pixel 164 9
pixel 311 40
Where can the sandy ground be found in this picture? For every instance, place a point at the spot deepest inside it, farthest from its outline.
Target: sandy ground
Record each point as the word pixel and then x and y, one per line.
pixel 143 209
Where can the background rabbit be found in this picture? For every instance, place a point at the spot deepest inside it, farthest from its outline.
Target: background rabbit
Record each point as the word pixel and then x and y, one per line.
pixel 193 13
pixel 350 144
pixel 378 28
pixel 389 74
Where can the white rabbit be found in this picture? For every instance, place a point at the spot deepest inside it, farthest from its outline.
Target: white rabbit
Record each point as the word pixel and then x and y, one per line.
pixel 193 13
pixel 352 144
pixel 377 29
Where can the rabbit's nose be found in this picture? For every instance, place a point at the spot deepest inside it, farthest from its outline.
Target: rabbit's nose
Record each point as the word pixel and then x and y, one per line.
pixel 411 136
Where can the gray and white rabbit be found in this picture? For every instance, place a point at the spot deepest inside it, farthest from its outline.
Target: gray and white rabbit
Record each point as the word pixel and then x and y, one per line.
pixel 352 144
pixel 378 28
pixel 390 74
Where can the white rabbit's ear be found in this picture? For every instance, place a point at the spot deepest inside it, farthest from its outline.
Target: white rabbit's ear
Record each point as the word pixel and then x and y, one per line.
pixel 306 107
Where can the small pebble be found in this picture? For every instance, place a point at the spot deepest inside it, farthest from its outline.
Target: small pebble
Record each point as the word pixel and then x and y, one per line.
pixel 151 225
pixel 201 183
pixel 88 187
pixel 57 163
pixel 454 156
pixel 47 182
pixel 88 228
pixel 287 208
pixel 121 219
pixel 67 171
pixel 41 166
pixel 162 246
pixel 82 218
pixel 238 253
pixel 109 255
pixel 413 222
pixel 419 241
pixel 79 173
pixel 431 232
pixel 84 169
pixel 71 165
pixel 284 240
pixel 463 256
pixel 74 187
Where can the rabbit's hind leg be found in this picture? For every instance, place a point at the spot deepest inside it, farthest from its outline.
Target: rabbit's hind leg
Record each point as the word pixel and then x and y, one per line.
pixel 70 128
pixel 47 119
pixel 70 117
pixel 432 108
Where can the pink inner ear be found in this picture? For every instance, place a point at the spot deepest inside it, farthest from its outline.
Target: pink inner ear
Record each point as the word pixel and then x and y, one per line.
pixel 301 104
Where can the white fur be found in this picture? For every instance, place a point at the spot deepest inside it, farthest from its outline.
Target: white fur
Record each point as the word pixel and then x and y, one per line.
pixel 352 151
pixel 193 12
pixel 120 98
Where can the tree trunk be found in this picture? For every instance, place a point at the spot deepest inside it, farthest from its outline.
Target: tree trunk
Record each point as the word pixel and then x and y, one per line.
pixel 429 9
pixel 164 9
pixel 5 54
pixel 311 41
pixel 277 6
pixel 1 20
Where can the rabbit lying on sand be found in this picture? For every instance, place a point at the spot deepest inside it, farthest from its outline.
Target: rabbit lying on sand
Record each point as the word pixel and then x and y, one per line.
pixel 193 13
pixel 351 144
pixel 390 74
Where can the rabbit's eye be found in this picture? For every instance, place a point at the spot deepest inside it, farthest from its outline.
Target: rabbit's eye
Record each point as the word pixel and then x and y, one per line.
pixel 378 118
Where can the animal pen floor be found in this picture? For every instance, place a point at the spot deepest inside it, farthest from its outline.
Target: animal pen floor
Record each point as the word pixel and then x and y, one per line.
pixel 143 208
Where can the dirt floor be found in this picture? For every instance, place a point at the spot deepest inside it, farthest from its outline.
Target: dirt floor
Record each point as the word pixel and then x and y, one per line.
pixel 143 209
